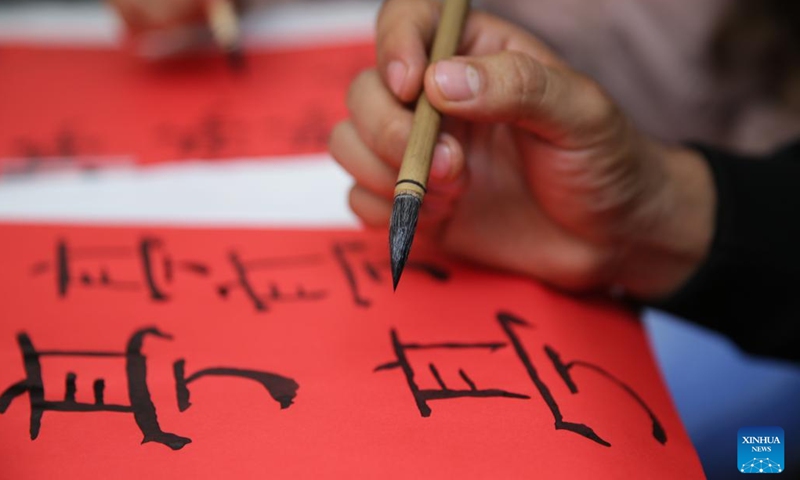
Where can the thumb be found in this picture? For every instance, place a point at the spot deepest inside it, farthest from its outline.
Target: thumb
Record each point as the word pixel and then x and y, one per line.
pixel 556 104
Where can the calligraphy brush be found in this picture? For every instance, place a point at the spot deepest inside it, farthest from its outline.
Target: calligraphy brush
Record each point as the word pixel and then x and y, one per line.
pixel 412 180
pixel 224 24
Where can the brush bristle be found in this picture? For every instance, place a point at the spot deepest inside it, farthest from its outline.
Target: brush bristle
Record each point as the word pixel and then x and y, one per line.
pixel 402 226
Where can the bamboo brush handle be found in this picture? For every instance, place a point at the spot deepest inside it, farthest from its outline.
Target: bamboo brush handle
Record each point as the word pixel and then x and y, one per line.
pixel 413 176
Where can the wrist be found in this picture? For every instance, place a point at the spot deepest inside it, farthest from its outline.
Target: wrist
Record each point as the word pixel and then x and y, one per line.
pixel 674 228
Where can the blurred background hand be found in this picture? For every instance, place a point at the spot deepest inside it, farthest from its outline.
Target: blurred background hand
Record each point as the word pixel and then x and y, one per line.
pixel 151 15
pixel 160 28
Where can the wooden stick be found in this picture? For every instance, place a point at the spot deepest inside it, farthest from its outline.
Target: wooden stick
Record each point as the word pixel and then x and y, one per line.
pixel 416 166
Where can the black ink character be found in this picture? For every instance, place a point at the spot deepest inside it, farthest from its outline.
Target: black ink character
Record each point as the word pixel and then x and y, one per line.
pixel 149 253
pixel 213 136
pixel 509 324
pixel 64 148
pixel 422 396
pixel 375 270
pixel 313 131
pixel 261 301
pixel 282 389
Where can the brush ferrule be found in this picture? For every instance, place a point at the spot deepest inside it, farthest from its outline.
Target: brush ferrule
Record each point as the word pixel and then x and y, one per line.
pixel 409 181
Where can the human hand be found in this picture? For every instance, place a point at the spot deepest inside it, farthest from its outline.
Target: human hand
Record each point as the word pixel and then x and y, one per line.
pixel 537 171
pixel 161 28
pixel 142 16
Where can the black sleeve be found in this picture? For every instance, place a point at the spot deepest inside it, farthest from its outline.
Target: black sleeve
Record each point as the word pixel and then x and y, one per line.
pixel 749 285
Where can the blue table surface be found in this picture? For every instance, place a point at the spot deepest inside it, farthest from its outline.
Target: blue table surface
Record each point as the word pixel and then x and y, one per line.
pixel 718 389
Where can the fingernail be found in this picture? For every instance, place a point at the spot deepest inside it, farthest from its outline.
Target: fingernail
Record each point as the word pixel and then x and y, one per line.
pixel 396 72
pixel 441 163
pixel 457 80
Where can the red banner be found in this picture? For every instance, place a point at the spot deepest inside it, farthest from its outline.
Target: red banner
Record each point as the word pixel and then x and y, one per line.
pixel 134 353
pixel 88 106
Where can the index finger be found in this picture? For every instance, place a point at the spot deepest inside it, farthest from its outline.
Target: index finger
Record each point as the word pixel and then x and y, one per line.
pixel 405 30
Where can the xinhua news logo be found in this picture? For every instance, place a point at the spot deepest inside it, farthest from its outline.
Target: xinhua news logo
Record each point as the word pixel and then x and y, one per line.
pixel 760 450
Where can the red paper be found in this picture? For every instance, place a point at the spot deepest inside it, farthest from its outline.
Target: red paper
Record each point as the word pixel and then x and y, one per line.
pixel 89 107
pixel 307 321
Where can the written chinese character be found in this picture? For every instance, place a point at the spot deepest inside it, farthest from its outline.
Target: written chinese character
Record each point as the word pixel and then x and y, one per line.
pixel 90 266
pixel 282 389
pixel 509 324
